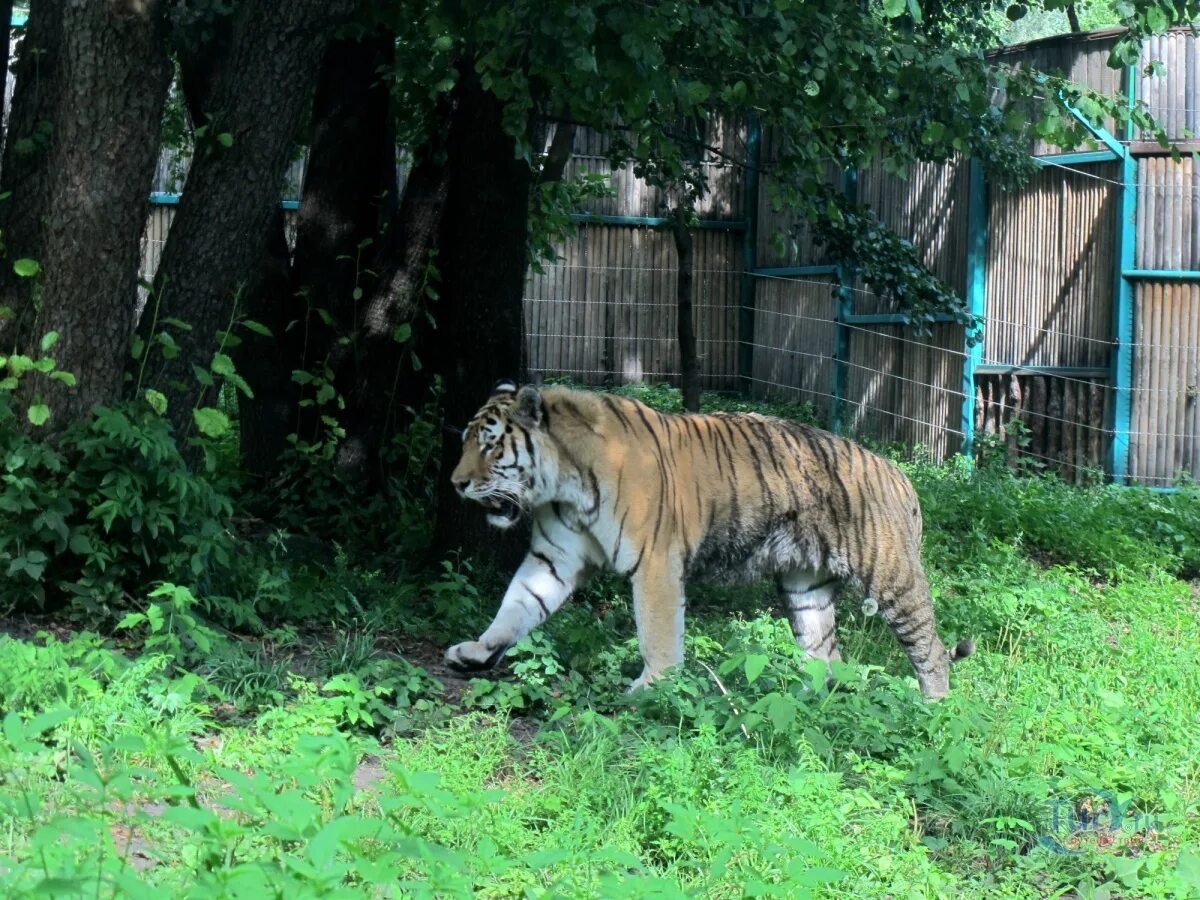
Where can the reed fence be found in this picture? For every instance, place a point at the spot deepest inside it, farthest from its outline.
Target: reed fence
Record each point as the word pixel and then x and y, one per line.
pixel 1087 280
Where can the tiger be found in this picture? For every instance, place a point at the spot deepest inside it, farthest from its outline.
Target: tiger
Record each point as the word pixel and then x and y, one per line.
pixel 610 483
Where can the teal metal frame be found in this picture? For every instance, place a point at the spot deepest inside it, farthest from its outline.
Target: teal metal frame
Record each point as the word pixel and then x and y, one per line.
pixel 1161 274
pixel 655 222
pixel 1121 359
pixel 161 198
pixel 977 226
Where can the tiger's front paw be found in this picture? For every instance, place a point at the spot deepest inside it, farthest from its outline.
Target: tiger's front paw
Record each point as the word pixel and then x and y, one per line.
pixel 646 679
pixel 473 656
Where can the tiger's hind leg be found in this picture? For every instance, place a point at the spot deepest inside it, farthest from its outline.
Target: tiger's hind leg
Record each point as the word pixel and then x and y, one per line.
pixel 808 598
pixel 909 613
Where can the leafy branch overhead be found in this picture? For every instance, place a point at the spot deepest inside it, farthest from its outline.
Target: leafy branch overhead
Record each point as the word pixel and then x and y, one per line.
pixel 854 236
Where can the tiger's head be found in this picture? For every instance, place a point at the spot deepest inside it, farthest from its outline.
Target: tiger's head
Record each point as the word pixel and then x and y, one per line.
pixel 503 464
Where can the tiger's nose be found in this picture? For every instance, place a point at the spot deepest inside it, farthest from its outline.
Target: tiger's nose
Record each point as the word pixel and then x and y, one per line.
pixel 461 486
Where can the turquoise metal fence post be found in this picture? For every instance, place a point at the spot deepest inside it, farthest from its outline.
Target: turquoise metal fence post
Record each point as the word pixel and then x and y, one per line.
pixel 977 222
pixel 843 311
pixel 745 355
pixel 1121 358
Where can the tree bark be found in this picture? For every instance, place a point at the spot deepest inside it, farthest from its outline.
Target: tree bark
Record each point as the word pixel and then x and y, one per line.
pixel 689 364
pixel 483 258
pixel 385 381
pixel 1073 18
pixel 257 97
pixel 91 83
pixel 349 198
pixel 266 361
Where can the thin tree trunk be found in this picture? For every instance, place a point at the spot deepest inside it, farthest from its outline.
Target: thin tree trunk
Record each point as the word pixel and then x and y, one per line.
pixel 482 257
pixel 559 153
pixel 689 364
pixel 79 161
pixel 257 98
pixel 1073 18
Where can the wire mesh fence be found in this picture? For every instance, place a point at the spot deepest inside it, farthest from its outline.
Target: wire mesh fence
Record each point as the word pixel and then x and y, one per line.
pixel 604 322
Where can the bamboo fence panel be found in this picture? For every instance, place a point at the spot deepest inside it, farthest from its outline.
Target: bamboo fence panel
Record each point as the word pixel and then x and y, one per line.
pixel 606 312
pixel 929 208
pixel 906 389
pixel 1168 213
pixel 1050 270
pixel 1165 432
pixel 793 338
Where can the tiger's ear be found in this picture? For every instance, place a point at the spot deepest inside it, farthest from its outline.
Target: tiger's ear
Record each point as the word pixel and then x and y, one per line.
pixel 529 412
pixel 504 386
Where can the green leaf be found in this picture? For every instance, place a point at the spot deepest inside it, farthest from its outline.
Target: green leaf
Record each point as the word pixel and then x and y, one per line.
pixel 157 401
pixel 755 663
pixel 18 363
pixel 49 339
pixel 203 376
pixel 914 10
pixel 211 422
pixel 26 267
pixel 131 620
pixel 225 139
pixel 257 327
pixel 1188 869
pixel 402 333
pixel 781 710
pixel 39 414
pixel 893 8
pixel 223 365
pixel 66 378
pixel 137 347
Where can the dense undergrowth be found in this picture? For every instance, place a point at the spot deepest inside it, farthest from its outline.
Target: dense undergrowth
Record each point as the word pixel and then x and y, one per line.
pixel 225 706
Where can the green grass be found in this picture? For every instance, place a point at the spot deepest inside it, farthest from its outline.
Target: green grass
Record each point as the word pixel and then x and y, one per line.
pixel 1066 761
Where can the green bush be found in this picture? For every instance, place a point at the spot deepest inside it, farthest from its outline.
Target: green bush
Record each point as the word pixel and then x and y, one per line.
pixel 107 511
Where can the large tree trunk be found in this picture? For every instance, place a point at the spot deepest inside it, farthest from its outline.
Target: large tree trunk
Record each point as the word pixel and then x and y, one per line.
pixel 267 361
pixel 482 257
pixel 689 363
pixel 386 380
pixel 349 197
pixel 6 10
pixel 79 160
pixel 213 254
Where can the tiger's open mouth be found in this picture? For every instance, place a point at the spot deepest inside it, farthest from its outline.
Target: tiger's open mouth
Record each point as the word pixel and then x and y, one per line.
pixel 502 512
